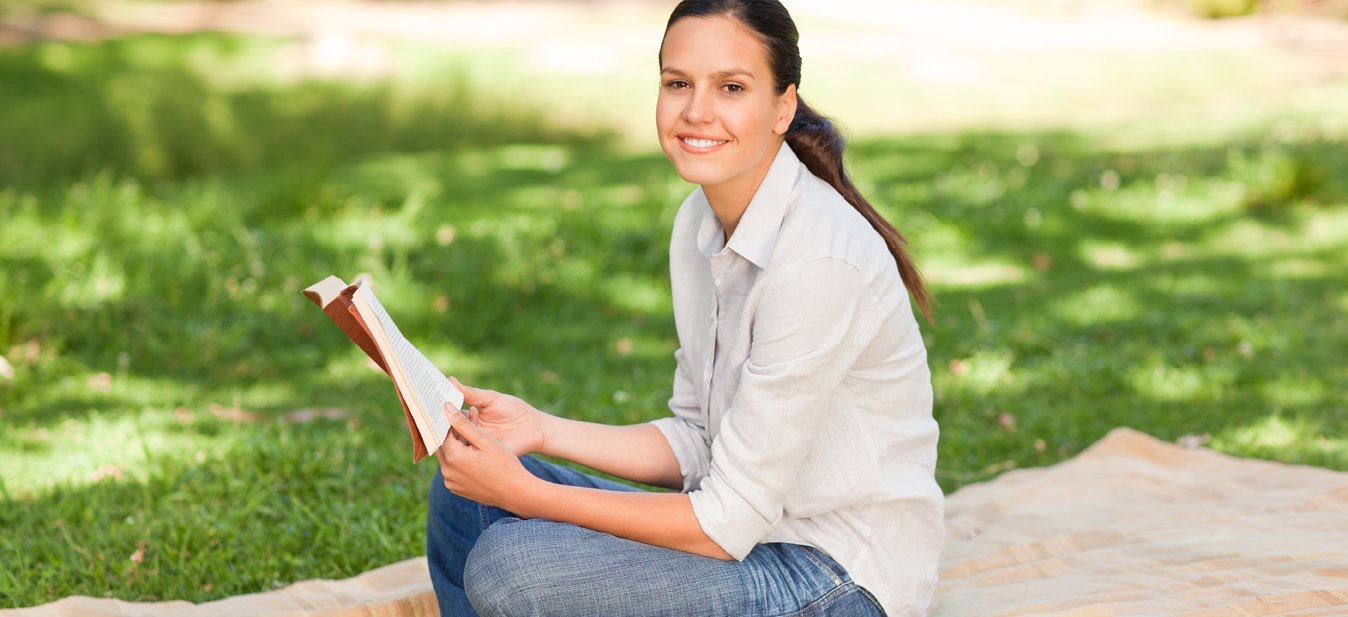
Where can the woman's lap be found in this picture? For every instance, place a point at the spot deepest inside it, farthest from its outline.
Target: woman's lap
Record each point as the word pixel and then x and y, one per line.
pixel 533 567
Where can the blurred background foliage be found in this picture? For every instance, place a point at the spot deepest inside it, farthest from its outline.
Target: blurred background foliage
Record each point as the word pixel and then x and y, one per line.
pixel 1217 9
pixel 176 421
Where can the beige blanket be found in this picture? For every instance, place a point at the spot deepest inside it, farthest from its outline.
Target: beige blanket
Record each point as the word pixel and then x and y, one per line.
pixel 1131 526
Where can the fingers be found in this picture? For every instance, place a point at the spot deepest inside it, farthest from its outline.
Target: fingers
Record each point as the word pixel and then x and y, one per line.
pixel 450 414
pixel 462 425
pixel 474 396
pixel 443 453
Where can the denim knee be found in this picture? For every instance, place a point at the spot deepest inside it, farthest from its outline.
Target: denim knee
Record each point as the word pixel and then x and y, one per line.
pixel 495 577
pixel 514 568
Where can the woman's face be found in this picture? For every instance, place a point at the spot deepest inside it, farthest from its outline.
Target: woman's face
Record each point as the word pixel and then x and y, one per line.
pixel 719 118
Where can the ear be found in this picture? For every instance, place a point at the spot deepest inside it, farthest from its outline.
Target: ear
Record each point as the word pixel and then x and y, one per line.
pixel 786 110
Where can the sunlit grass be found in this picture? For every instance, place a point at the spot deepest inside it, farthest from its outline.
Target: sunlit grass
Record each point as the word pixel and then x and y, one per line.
pixel 1297 439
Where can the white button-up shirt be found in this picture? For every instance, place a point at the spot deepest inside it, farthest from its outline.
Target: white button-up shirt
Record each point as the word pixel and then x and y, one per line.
pixel 802 398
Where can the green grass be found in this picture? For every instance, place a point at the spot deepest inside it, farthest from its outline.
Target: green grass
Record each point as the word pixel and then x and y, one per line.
pixel 164 199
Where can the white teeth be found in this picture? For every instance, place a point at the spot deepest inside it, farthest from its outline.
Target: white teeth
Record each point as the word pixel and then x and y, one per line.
pixel 701 143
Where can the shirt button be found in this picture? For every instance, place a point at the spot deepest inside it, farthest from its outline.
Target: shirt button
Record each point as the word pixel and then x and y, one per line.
pixel 717 282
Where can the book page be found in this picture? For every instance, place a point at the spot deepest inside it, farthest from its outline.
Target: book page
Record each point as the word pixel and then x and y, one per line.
pixel 429 388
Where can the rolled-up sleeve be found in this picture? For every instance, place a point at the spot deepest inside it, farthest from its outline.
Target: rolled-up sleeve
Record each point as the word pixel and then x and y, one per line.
pixel 808 330
pixel 685 431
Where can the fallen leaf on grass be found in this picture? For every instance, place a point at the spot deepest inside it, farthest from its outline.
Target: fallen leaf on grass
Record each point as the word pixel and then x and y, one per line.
pixel 299 416
pixel 1193 442
pixel 958 367
pixel 309 414
pixel 107 471
pixel 233 414
pixel 27 353
pixel 1006 422
pixel 441 303
pixel 101 383
pixel 6 369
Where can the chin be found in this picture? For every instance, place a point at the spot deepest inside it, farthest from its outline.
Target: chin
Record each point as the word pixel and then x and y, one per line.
pixel 697 172
pixel 693 169
pixel 699 177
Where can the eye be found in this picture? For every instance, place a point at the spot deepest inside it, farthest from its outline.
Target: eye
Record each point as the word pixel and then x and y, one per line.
pixel 733 88
pixel 676 84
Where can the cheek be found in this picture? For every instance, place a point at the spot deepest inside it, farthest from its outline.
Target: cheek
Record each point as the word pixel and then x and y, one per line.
pixel 666 118
pixel 666 114
pixel 745 122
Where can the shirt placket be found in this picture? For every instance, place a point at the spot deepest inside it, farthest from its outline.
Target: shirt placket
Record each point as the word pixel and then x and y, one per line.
pixel 719 266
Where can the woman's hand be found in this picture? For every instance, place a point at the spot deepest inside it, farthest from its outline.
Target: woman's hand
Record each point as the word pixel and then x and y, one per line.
pixel 508 419
pixel 477 466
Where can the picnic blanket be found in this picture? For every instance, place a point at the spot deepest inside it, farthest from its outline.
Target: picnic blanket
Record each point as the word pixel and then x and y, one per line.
pixel 1131 526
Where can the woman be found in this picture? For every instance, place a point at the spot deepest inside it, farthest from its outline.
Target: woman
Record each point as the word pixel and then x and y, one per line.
pixel 801 443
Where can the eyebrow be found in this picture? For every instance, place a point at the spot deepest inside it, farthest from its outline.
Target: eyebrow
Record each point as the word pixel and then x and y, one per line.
pixel 717 75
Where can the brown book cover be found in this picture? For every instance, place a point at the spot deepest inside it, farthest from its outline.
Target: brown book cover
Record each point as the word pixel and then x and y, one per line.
pixel 334 297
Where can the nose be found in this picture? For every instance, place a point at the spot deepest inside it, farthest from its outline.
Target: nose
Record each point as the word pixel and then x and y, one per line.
pixel 699 109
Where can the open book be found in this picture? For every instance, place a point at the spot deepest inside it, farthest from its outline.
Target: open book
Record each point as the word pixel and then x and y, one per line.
pixel 422 389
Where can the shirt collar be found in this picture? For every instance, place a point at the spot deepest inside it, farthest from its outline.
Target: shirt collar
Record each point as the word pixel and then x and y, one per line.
pixel 756 235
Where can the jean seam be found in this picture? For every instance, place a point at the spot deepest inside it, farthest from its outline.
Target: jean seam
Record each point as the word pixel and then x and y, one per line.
pixel 821 603
pixel 809 552
pixel 483 518
pixel 871 597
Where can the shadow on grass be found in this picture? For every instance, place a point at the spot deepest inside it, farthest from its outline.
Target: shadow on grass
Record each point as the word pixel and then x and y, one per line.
pixel 153 251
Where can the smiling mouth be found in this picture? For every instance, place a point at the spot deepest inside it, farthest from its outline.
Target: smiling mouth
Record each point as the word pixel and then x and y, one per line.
pixel 702 144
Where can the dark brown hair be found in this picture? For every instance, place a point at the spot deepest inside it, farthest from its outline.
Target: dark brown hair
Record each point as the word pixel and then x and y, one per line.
pixel 812 136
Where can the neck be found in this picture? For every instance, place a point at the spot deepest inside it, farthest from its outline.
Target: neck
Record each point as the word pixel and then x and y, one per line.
pixel 731 198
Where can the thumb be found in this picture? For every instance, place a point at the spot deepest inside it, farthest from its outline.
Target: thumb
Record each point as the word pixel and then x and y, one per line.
pixel 476 397
pixel 463 426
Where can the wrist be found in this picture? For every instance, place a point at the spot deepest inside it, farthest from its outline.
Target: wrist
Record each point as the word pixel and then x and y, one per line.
pixel 529 497
pixel 547 429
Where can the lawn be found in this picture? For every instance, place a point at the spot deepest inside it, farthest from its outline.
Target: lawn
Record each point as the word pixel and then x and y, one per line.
pixel 177 422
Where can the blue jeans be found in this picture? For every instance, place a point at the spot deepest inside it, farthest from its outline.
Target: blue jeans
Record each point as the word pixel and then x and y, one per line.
pixel 484 561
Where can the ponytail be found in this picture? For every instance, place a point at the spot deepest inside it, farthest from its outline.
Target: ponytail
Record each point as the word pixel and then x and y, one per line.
pixel 819 145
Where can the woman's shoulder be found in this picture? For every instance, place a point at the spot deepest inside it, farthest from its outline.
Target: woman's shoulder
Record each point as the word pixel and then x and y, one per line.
pixel 821 224
pixel 823 233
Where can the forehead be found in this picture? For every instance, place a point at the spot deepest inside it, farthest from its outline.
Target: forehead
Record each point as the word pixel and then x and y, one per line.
pixel 710 44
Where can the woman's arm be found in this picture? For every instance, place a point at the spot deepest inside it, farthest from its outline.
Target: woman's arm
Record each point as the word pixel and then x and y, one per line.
pixel 638 452
pixel 486 471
